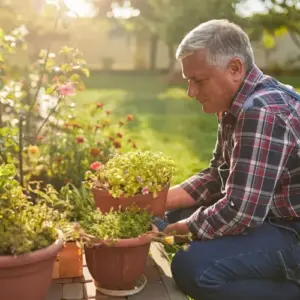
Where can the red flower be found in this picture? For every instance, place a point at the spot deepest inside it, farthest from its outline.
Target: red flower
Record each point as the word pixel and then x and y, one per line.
pixel 95 152
pixel 39 138
pixel 121 123
pixel 129 118
pixel 79 139
pixel 134 145
pixel 119 134
pixel 100 105
pixel 108 112
pixel 59 160
pixel 96 165
pixel 117 144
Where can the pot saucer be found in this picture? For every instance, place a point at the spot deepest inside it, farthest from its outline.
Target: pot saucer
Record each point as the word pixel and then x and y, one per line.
pixel 139 286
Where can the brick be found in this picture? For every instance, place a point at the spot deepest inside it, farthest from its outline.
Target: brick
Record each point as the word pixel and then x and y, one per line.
pixel 55 292
pixel 90 290
pixel 73 291
pixel 83 260
pixel 62 280
pixel 87 275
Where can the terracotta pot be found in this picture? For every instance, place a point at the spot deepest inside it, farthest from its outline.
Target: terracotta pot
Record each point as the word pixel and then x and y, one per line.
pixel 157 206
pixel 68 262
pixel 28 276
pixel 117 266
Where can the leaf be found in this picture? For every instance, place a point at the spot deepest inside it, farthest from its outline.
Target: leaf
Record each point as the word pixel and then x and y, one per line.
pixel 86 72
pixel 268 40
pixel 49 90
pixel 281 31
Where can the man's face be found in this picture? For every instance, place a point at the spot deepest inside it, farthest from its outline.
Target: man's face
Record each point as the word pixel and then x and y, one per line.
pixel 212 86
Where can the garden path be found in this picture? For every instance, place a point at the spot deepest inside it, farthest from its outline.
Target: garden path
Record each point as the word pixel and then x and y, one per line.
pixel 160 284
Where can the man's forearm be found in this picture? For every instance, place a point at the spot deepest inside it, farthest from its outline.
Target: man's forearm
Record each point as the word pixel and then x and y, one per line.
pixel 179 198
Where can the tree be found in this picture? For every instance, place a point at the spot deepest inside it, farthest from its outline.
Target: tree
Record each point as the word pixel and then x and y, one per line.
pixel 170 20
pixel 282 17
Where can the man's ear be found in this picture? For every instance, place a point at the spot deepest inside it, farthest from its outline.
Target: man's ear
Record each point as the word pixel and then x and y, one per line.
pixel 236 69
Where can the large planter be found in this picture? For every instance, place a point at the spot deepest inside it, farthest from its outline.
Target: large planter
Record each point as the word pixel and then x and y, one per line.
pixel 28 276
pixel 68 262
pixel 157 206
pixel 117 266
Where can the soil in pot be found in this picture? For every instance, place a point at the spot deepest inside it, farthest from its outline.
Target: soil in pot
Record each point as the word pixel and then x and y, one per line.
pixel 119 265
pixel 28 276
pixel 156 206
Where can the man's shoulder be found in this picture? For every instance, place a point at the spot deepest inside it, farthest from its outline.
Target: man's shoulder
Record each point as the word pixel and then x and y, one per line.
pixel 266 95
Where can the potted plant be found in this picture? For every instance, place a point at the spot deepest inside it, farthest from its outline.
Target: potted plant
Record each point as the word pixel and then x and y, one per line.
pixel 29 241
pixel 137 177
pixel 75 203
pixel 116 247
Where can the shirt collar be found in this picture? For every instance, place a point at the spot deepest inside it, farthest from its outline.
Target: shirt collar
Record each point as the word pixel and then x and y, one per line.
pixel 245 90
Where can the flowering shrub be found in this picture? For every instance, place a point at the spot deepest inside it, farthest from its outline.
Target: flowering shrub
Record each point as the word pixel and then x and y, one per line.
pixel 134 173
pixel 67 154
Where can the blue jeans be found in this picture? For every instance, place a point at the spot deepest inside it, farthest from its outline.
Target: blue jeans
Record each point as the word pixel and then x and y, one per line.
pixel 263 264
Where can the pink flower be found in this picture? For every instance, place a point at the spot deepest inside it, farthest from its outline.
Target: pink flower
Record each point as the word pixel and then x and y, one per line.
pixel 96 165
pixel 145 191
pixel 67 89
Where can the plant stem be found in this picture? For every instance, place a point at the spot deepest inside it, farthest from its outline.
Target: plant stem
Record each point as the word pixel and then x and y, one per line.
pixel 21 120
pixel 1 112
pixel 43 69
pixel 47 118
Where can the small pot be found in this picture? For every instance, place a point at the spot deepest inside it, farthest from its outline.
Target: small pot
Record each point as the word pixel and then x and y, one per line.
pixel 117 266
pixel 68 262
pixel 28 276
pixel 156 206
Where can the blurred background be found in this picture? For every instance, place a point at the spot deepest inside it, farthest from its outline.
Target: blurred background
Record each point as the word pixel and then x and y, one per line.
pixel 129 49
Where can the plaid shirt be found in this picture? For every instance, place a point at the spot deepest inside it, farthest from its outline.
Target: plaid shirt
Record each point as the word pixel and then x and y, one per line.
pixel 255 170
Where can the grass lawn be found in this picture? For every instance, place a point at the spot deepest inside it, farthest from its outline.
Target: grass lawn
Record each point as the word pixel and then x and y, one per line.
pixel 165 119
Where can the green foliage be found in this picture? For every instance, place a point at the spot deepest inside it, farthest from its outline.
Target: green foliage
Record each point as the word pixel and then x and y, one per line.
pixel 136 172
pixel 24 227
pixel 115 225
pixel 281 18
pixel 80 200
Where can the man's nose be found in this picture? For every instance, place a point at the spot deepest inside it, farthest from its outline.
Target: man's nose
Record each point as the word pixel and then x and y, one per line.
pixel 192 90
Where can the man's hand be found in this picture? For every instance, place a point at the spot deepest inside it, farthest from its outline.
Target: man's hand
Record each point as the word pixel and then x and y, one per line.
pixel 178 198
pixel 179 228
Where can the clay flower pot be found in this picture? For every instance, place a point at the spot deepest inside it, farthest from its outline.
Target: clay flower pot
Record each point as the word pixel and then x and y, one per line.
pixel 28 276
pixel 156 206
pixel 117 266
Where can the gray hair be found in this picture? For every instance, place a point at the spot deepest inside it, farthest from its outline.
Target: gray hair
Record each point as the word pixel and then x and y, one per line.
pixel 223 41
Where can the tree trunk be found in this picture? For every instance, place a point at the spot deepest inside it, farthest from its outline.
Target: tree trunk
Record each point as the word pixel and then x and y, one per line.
pixel 172 59
pixel 153 52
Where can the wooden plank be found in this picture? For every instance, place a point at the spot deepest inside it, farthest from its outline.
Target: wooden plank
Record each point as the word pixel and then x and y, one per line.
pixel 161 259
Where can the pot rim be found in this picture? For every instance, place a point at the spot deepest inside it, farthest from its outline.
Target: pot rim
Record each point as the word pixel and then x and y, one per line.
pixel 10 261
pixel 143 239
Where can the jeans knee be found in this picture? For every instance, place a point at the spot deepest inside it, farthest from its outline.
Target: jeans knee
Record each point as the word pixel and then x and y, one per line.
pixel 184 272
pixel 192 277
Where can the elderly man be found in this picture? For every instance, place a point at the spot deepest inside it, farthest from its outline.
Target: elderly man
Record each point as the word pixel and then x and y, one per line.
pixel 244 209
